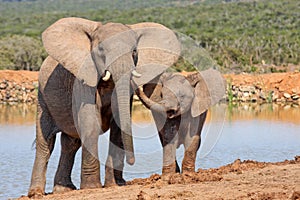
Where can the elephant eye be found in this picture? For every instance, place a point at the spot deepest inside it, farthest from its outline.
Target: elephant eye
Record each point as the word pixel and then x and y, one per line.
pixel 135 56
pixel 181 95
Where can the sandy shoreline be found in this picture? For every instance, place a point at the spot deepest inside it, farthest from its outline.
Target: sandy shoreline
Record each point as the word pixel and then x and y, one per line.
pixel 238 180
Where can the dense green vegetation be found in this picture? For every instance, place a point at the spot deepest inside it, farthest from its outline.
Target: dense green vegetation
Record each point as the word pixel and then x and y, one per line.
pixel 238 35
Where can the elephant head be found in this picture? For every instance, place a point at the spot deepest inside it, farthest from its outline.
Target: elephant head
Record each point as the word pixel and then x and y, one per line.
pixel 94 52
pixel 180 93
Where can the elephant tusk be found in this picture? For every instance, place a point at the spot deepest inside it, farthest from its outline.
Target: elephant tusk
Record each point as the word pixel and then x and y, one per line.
pixel 141 88
pixel 136 74
pixel 107 76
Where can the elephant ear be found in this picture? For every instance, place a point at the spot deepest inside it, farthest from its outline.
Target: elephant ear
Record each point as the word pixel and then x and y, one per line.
pixel 158 48
pixel 209 90
pixel 68 41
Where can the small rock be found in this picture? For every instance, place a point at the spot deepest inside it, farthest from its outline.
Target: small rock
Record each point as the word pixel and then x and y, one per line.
pixel 295 97
pixel 286 95
pixel 9 85
pixel 3 85
pixel 262 95
pixel 249 89
pixel 13 94
pixel 246 94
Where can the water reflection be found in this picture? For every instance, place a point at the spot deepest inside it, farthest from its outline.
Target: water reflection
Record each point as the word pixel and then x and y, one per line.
pixel 25 114
pixel 239 112
pixel 17 114
pixel 268 112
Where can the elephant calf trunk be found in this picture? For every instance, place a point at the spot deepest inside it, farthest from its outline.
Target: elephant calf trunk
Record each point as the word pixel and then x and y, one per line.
pixel 148 102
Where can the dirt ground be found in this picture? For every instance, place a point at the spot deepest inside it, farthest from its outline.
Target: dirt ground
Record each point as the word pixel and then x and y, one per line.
pixel 19 76
pixel 239 180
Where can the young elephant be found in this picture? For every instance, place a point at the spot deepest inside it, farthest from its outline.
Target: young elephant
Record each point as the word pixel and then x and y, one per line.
pixel 179 106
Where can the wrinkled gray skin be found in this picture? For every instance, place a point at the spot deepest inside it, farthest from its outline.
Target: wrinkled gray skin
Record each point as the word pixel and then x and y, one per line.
pixel 174 103
pixel 76 99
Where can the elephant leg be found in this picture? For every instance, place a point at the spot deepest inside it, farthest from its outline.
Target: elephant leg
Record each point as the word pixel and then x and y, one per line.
pixel 89 129
pixel 90 171
pixel 45 140
pixel 169 140
pixel 116 155
pixel 62 180
pixel 188 162
pixel 169 160
pixel 192 143
pixel 87 120
pixel 115 160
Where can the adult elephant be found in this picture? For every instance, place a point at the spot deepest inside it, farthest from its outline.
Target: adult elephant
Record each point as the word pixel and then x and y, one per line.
pixel 84 89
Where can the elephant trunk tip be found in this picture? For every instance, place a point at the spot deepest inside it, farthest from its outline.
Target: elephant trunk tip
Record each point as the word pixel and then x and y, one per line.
pixel 130 158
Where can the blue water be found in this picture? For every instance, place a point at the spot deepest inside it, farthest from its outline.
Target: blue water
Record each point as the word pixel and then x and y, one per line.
pixel 223 141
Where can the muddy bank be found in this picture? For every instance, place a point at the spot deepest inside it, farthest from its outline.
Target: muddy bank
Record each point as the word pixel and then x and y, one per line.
pixel 275 87
pixel 21 86
pixel 238 180
pixel 18 86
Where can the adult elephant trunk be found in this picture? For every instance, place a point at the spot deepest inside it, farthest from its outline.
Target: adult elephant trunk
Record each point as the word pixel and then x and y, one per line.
pixel 123 101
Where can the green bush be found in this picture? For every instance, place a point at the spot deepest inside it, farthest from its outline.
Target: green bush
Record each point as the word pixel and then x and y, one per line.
pixel 19 52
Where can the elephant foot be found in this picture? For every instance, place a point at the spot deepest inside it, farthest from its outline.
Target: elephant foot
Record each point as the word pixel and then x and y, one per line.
pixel 121 182
pixel 186 169
pixel 116 182
pixel 36 193
pixel 61 189
pixel 168 169
pixel 110 184
pixel 188 162
pixel 188 166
